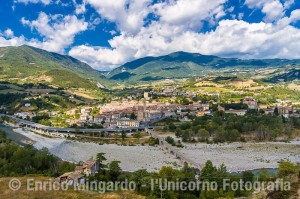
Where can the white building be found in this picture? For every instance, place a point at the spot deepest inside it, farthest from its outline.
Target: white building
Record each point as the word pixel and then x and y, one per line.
pixel 237 112
pixel 126 122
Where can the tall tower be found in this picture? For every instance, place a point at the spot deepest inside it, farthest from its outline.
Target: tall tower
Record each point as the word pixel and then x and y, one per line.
pixel 144 108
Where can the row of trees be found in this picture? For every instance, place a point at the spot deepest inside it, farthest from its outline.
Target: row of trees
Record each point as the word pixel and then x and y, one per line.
pixel 18 161
pixel 230 127
pixel 209 173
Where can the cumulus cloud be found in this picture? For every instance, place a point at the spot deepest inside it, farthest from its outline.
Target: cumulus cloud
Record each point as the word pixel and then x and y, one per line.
pixel 128 15
pixel 58 31
pixel 46 2
pixel 174 25
pixel 9 33
pixel 232 38
pixel 189 13
pixel 294 17
pixel 273 9
pixel 7 38
pixel 99 57
pixel 15 41
pixel 136 40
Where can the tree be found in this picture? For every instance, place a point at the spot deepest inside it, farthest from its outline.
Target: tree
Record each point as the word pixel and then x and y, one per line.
pixel 232 135
pixel 167 172
pixel 137 135
pixel 286 168
pixel 132 116
pixel 123 135
pixel 170 140
pixel 114 170
pixel 140 177
pixel 208 171
pixel 247 176
pixel 100 159
pixel 204 134
pixel 172 127
pixel 276 111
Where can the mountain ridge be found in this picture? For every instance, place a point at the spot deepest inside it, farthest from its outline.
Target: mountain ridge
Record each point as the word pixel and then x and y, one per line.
pixel 27 63
pixel 183 65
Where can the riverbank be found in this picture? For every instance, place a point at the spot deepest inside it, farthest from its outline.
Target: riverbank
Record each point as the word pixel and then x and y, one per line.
pixel 132 158
pixel 236 156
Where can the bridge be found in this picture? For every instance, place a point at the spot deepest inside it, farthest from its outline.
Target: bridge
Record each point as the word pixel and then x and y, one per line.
pixel 71 132
pixel 172 150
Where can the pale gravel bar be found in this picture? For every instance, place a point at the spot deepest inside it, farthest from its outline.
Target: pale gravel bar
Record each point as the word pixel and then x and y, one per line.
pixel 236 156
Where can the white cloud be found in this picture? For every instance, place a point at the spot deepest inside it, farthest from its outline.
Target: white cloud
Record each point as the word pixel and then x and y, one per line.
pixel 189 13
pixel 15 41
pixel 288 3
pixel 273 9
pixel 58 31
pixel 46 2
pixel 128 15
pixel 136 40
pixel 232 38
pixel 294 17
pixel 176 27
pixel 80 8
pixel 9 33
pixel 98 57
pixel 7 38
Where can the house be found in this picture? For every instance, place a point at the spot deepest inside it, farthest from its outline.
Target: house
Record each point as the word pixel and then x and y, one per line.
pixel 202 113
pixel 169 114
pixel 220 108
pixel 25 115
pixel 205 107
pixel 153 114
pixel 27 105
pixel 269 111
pixel 285 109
pixel 98 119
pixel 53 113
pixel 237 112
pixel 126 122
pixel 72 178
pixel 72 112
pixel 86 110
pixel 185 119
pixel 146 95
pixel 250 102
pixel 89 167
pixel 84 117
pixel 79 169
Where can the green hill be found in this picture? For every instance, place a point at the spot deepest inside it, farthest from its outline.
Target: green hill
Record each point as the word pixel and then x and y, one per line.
pixel 26 64
pixel 292 75
pixel 185 65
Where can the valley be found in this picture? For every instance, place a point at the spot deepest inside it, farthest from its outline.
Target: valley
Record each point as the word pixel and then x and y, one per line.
pixel 244 114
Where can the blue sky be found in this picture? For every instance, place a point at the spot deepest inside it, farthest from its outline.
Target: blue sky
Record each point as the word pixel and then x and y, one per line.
pixel 109 33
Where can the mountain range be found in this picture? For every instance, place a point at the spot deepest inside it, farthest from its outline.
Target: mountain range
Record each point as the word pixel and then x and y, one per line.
pixel 183 65
pixel 26 64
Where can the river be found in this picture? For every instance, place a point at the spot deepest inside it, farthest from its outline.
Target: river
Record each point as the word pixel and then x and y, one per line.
pixel 152 158
pixel 16 137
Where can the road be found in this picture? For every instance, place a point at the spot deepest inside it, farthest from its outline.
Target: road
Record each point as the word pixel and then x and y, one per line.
pixel 73 130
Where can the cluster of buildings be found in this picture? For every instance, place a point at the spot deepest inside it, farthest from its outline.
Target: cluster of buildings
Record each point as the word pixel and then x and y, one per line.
pixel 128 113
pixel 25 115
pixel 77 177
pixel 133 113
